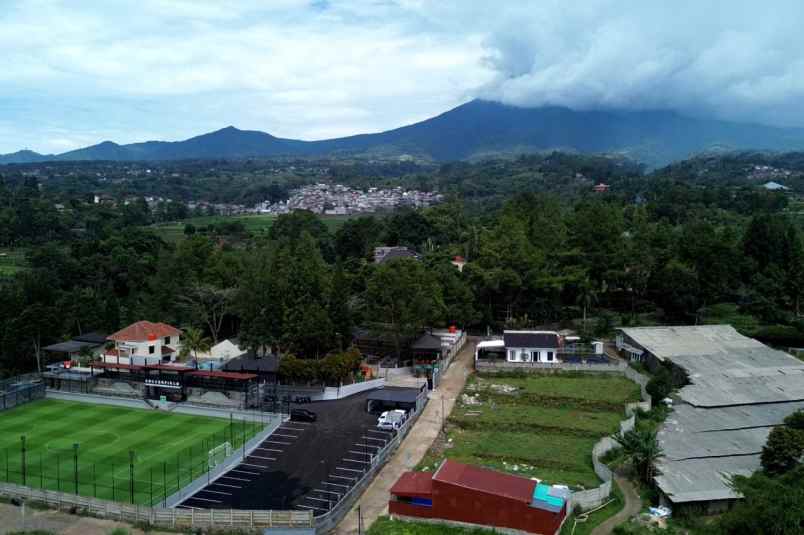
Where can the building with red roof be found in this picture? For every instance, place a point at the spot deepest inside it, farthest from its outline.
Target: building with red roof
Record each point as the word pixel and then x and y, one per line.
pixel 144 343
pixel 465 494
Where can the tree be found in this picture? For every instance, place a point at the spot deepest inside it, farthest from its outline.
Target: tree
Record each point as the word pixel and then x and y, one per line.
pixel 37 323
pixel 770 505
pixel 209 305
pixel 785 446
pixel 194 341
pixel 402 298
pixel 660 385
pixel 587 296
pixel 643 450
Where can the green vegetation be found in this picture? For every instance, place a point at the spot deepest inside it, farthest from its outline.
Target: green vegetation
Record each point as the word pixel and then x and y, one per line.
pixel 12 261
pixel 541 426
pixel 386 526
pixel 584 524
pixel 170 450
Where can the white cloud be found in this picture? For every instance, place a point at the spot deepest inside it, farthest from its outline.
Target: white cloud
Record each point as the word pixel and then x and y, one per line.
pixel 79 71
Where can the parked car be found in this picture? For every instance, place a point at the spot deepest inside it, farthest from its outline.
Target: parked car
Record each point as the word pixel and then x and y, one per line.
pixel 392 420
pixel 302 415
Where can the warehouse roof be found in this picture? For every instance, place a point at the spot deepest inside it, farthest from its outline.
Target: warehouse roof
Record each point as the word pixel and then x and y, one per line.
pixel 73 346
pixel 413 484
pixel 485 480
pixel 706 479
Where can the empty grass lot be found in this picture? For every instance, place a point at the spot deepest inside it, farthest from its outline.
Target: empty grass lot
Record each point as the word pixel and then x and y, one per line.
pixel 170 450
pixel 254 224
pixel 535 425
pixel 385 526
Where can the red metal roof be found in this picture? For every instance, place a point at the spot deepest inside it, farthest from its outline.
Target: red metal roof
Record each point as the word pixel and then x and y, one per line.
pixel 113 365
pixel 143 331
pixel 414 484
pixel 484 480
pixel 233 376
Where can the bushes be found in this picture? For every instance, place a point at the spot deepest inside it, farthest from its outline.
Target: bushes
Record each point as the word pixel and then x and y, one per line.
pixel 333 369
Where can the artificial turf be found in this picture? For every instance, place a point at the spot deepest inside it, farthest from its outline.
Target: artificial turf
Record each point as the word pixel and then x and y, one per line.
pixel 170 450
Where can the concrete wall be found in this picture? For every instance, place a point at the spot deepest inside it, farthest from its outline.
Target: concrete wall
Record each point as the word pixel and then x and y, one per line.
pixel 333 392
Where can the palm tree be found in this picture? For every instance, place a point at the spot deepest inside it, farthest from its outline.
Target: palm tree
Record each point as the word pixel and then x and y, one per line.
pixel 194 341
pixel 587 296
pixel 642 448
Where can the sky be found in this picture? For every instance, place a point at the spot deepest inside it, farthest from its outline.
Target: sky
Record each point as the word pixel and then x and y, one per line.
pixel 77 72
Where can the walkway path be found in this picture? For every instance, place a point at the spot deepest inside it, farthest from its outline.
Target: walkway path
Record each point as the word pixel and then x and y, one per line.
pixel 633 504
pixel 374 501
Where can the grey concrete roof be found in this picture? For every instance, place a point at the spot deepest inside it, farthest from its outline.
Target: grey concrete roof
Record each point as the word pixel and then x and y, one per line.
pixel 703 479
pixel 739 390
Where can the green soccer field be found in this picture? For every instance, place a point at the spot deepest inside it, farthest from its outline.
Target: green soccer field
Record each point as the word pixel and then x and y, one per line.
pixel 170 450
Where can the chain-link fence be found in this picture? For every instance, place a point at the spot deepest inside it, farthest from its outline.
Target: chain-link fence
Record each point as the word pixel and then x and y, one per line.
pixel 19 390
pixel 147 475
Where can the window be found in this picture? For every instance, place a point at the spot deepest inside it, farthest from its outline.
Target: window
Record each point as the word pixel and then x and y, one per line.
pixel 167 339
pixel 549 356
pixel 525 356
pixel 511 355
pixel 151 350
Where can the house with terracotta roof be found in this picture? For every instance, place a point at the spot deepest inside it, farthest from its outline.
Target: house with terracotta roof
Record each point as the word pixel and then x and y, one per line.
pixel 462 494
pixel 143 344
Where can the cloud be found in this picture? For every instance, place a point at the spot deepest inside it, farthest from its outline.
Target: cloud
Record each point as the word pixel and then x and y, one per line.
pixel 731 59
pixel 82 71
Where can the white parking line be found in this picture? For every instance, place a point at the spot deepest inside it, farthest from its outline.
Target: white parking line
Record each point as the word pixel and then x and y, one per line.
pixel 284 436
pixel 312 507
pixel 317 499
pixel 334 484
pixel 237 470
pixel 377 439
pixel 225 485
pixel 235 478
pixel 291 429
pixel 385 433
pixel 364 445
pixel 356 461
pixel 349 470
pixel 363 453
pixel 261 458
pixel 276 442
pixel 269 449
pixel 205 500
pixel 215 492
pixel 345 477
pixel 328 492
pixel 254 465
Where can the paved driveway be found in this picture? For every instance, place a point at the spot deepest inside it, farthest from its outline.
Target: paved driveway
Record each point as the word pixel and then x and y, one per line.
pixel 374 501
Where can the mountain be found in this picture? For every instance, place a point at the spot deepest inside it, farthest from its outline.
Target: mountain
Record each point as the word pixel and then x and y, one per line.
pixel 477 129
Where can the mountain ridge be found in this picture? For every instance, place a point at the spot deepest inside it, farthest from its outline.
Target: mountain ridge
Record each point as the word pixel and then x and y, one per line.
pixel 476 129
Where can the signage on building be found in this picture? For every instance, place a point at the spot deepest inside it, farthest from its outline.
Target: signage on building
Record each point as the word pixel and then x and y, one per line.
pixel 163 383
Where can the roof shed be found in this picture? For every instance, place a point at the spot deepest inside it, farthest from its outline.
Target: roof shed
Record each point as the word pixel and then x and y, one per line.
pixel 539 339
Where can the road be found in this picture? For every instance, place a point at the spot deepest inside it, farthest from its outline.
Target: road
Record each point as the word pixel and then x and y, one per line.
pixel 633 504
pixel 374 502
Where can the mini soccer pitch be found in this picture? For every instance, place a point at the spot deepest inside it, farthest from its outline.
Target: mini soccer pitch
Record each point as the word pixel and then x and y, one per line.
pixel 170 450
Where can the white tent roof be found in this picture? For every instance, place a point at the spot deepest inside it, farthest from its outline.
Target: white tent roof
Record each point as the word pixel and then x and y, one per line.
pixel 222 351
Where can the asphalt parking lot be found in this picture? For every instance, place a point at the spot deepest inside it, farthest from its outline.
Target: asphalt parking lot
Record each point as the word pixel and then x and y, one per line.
pixel 302 465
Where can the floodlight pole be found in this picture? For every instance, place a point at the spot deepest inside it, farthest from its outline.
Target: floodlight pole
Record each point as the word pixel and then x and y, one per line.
pixel 75 466
pixel 131 475
pixel 22 455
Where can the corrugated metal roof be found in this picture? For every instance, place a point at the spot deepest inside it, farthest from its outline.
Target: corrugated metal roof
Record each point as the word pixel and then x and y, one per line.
pixel 413 484
pixel 484 480
pixel 703 479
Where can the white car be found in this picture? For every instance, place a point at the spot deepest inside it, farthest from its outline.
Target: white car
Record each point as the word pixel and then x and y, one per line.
pixel 392 420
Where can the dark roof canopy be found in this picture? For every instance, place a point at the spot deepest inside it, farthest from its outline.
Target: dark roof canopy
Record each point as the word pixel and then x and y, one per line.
pixel 92 338
pixel 530 339
pixel 394 394
pixel 73 346
pixel 250 363
pixel 427 342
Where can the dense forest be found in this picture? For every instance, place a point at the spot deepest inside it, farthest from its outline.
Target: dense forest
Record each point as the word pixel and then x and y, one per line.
pixel 652 250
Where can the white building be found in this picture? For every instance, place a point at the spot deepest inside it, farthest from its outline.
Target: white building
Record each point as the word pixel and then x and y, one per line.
pixel 144 343
pixel 531 346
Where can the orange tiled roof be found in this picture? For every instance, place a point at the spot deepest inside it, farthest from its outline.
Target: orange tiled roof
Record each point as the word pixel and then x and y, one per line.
pixel 143 331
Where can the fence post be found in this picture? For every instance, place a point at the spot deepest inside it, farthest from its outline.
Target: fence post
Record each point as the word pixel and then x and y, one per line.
pixel 75 466
pixel 95 482
pixel 164 482
pixel 58 472
pixel 131 475
pixel 22 459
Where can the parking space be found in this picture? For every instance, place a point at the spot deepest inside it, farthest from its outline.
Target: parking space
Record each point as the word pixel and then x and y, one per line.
pixel 302 465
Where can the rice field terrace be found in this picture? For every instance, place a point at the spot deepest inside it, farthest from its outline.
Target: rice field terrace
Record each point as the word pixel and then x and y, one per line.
pixel 542 426
pixel 87 449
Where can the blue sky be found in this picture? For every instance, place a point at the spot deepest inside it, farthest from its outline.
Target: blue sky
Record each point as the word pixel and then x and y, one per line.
pixel 78 72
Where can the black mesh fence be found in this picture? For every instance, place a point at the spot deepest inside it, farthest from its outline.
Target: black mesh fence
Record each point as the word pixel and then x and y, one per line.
pixel 138 477
pixel 20 390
